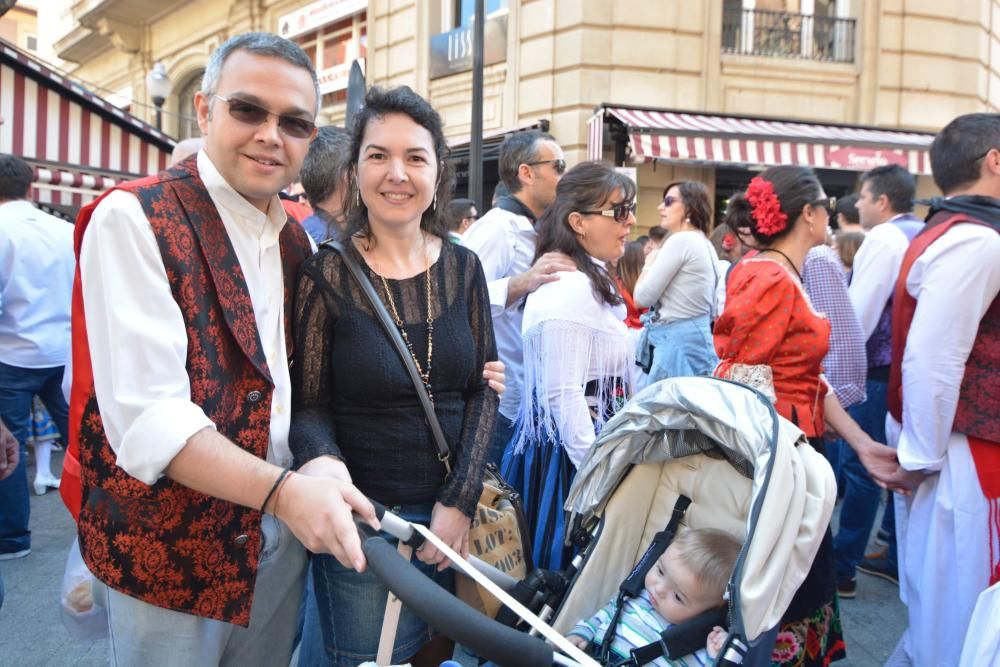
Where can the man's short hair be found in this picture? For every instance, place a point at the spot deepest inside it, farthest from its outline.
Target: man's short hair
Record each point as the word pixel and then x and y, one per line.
pixel 326 163
pixel 499 191
pixel 897 184
pixel 16 177
pixel 458 209
pixel 657 234
pixel 958 150
pixel 259 44
pixel 848 207
pixel 517 149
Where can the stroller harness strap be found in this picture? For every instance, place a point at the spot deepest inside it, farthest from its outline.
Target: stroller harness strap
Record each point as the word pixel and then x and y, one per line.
pixel 636 580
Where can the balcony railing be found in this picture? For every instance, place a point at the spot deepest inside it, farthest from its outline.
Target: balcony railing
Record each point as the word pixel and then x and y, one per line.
pixel 758 32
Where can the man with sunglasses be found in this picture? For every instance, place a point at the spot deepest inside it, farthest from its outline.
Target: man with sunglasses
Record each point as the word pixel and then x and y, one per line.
pixel 181 397
pixel 531 164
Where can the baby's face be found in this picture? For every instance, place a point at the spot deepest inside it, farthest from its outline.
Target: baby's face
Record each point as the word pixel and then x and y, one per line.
pixel 676 593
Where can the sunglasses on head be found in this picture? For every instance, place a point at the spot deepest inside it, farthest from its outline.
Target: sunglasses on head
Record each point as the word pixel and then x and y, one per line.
pixel 558 164
pixel 620 212
pixel 254 114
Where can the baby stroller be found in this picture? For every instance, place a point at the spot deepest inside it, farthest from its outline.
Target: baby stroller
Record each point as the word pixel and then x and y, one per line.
pixel 703 452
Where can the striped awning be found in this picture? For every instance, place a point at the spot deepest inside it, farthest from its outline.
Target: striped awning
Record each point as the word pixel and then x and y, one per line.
pixel 78 143
pixel 679 136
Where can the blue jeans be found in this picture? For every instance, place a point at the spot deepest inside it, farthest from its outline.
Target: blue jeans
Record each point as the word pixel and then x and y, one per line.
pixel 682 348
pixel 17 387
pixel 861 493
pixel 351 606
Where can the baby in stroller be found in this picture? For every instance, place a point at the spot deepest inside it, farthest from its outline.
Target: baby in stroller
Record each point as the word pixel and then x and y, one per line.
pixel 687 580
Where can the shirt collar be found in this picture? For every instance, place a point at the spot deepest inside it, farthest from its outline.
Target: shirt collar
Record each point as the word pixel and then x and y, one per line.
pixel 18 204
pixel 224 196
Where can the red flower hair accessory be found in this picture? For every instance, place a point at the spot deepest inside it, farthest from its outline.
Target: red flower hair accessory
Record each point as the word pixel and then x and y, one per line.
pixel 765 207
pixel 728 242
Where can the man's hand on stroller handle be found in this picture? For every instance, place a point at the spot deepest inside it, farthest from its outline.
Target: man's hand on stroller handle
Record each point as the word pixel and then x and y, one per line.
pixel 452 527
pixel 317 504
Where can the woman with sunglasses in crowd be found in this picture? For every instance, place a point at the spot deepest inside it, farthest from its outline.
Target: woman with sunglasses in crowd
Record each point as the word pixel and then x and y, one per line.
pixel 577 353
pixel 678 285
pixel 770 337
pixel 353 399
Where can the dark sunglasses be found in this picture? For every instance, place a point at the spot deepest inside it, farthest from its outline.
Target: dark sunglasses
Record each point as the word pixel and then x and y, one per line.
pixel 559 164
pixel 255 115
pixel 620 212
pixel 668 200
pixel 829 203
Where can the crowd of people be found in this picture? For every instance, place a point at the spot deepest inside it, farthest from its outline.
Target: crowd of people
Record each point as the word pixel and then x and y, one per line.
pixel 235 402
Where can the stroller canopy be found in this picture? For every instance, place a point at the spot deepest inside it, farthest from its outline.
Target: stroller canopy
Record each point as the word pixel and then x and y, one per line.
pixel 791 496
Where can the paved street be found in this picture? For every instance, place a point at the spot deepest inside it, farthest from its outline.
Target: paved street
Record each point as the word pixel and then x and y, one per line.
pixel 32 634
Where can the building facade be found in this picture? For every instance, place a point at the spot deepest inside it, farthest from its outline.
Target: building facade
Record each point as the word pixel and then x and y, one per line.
pixel 885 74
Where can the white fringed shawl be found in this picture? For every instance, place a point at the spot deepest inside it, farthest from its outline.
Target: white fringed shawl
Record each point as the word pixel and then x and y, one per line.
pixel 570 338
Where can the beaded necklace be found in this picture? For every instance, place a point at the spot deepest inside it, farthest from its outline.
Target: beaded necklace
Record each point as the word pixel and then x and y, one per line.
pixel 425 372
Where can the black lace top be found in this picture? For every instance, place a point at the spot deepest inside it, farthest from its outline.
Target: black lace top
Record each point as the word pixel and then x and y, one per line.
pixel 353 398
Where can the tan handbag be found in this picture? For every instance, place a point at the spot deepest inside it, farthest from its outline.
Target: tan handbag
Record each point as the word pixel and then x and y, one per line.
pixel 499 534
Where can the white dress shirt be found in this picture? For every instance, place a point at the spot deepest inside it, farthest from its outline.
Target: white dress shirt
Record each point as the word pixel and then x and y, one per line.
pixel 505 244
pixel 36 281
pixel 876 268
pixel 943 528
pixel 138 343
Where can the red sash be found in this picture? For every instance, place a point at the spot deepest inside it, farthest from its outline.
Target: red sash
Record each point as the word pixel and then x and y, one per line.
pixel 985 453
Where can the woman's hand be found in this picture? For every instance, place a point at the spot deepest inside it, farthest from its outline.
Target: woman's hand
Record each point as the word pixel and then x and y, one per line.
pixel 882 464
pixel 452 528
pixel 494 374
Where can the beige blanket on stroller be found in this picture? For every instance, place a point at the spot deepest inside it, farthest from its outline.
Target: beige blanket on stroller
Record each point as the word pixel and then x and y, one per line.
pixel 693 436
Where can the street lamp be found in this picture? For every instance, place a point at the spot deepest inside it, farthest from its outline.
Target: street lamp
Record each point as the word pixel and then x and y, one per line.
pixel 159 85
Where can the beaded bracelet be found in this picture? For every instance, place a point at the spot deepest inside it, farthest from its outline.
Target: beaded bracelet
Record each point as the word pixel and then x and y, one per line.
pixel 281 478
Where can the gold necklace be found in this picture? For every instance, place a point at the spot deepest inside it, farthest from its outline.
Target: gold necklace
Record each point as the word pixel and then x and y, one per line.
pixel 425 373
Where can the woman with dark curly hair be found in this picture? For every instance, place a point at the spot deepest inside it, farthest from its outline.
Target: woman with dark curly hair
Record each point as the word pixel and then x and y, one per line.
pixel 577 352
pixel 771 338
pixel 352 397
pixel 678 285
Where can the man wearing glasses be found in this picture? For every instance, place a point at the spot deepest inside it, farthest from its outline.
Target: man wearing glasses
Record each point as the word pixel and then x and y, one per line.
pixel 181 394
pixel 531 164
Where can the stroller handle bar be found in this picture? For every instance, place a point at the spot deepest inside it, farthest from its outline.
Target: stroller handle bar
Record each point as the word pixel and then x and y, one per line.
pixel 441 609
pixel 403 531
pixel 436 606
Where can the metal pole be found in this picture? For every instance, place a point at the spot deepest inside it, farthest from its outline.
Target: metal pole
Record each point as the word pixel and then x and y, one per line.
pixel 476 132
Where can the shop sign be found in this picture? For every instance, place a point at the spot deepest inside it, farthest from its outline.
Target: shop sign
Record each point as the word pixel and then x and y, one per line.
pixel 317 15
pixel 336 77
pixel 451 52
pixel 853 158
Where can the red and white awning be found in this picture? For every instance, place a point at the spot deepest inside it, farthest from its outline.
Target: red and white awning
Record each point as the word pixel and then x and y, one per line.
pixel 78 143
pixel 715 139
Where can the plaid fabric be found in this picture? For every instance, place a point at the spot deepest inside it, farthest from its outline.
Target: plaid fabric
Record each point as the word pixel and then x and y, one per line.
pixel 846 363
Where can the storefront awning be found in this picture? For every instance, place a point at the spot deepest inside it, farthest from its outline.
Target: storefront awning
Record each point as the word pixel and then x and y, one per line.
pixel 78 143
pixel 680 136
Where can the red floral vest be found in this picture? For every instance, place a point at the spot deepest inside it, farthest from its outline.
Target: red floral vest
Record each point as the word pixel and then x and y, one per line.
pixel 978 412
pixel 166 544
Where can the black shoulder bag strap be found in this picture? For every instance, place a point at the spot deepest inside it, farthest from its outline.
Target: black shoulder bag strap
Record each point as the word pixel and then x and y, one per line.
pixel 443 451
